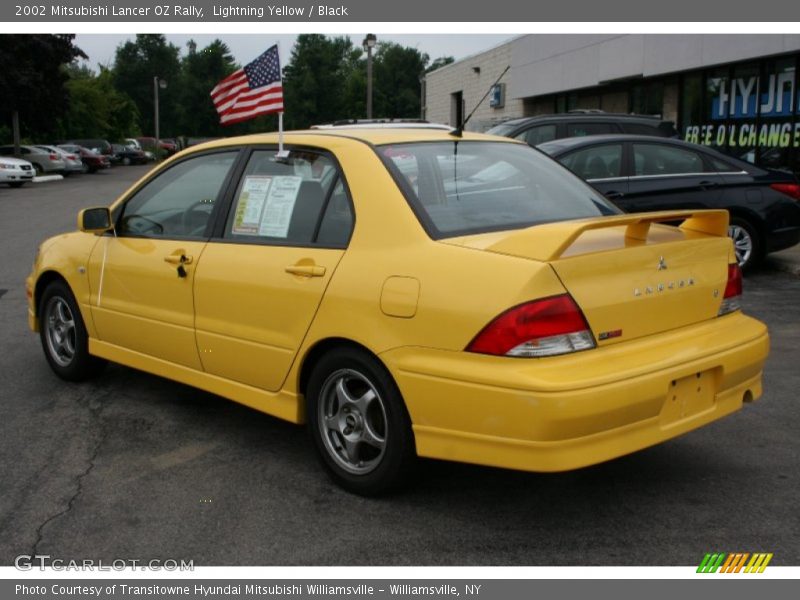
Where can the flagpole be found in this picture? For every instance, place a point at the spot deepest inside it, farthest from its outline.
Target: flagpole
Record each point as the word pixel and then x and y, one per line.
pixel 280 133
pixel 281 153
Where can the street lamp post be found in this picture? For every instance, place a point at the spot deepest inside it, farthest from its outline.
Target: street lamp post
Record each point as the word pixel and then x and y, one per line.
pixel 369 43
pixel 157 83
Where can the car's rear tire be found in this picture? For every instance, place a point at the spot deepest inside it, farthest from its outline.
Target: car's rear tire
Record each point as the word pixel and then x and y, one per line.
pixel 126 161
pixel 63 335
pixel 38 168
pixel 746 242
pixel 359 423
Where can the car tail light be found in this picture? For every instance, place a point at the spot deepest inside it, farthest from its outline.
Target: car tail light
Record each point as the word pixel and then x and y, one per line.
pixel 544 327
pixel 733 291
pixel 790 189
pixel 72 157
pixel 54 156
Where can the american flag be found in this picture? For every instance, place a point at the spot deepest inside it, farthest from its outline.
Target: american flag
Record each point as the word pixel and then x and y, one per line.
pixel 254 90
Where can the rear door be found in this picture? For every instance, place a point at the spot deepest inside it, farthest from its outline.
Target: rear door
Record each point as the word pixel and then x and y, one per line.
pixel 667 177
pixel 263 275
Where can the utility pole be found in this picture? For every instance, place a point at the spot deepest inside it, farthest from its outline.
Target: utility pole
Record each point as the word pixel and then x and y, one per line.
pixel 369 43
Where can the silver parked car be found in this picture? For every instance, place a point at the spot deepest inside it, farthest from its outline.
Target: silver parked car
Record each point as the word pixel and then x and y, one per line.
pixel 73 161
pixel 15 171
pixel 44 162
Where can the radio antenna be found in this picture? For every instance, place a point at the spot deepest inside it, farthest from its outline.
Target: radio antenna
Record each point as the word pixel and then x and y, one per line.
pixel 459 131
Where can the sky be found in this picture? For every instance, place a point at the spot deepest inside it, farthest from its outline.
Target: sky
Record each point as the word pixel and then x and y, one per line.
pixel 246 47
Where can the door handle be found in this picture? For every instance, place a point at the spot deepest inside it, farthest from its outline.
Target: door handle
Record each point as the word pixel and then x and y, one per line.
pixel 708 184
pixel 613 195
pixel 306 270
pixel 178 259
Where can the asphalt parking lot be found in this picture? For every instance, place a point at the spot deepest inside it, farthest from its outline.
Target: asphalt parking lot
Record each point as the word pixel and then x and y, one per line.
pixel 134 466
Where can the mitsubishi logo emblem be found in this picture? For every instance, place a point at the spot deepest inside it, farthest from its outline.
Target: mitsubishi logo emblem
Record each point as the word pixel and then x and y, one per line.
pixel 662 264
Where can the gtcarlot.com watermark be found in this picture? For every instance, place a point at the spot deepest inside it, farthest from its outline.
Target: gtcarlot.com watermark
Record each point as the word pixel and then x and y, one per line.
pixel 27 562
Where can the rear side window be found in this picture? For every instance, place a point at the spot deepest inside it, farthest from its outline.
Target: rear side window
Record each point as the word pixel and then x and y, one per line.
pixel 463 187
pixel 537 135
pixel 299 201
pixel 584 129
pixel 597 162
pixel 660 159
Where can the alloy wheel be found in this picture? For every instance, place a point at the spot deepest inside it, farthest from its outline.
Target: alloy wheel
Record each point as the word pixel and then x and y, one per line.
pixel 60 331
pixel 352 421
pixel 742 243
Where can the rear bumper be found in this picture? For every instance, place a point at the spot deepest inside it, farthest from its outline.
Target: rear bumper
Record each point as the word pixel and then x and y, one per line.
pixel 567 412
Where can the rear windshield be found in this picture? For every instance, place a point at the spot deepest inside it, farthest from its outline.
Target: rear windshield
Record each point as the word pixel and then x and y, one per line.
pixel 465 187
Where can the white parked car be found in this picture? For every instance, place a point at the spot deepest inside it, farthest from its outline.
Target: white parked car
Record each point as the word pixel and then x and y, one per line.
pixel 15 171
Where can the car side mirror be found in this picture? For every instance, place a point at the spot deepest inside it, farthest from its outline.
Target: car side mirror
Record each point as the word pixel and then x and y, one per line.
pixel 94 220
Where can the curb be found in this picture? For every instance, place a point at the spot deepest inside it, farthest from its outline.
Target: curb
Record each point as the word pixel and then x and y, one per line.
pixel 46 178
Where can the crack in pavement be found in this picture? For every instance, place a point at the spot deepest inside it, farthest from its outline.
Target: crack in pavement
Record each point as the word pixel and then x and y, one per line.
pixel 81 476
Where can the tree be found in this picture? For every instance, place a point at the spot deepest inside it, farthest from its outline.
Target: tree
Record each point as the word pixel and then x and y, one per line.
pixel 96 109
pixel 397 71
pixel 33 80
pixel 439 63
pixel 135 65
pixel 314 80
pixel 200 72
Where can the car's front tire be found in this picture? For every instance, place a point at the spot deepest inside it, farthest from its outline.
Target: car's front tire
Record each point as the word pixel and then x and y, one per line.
pixel 358 422
pixel 63 335
pixel 16 184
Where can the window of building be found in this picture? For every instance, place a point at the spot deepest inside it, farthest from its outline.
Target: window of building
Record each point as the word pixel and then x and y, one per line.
pixel 647 98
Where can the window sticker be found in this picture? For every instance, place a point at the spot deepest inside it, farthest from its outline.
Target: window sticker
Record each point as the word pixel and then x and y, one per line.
pixel 280 206
pixel 250 207
pixel 265 205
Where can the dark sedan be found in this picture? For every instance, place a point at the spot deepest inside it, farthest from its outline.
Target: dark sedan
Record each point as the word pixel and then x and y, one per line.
pixel 642 173
pixel 93 161
pixel 128 155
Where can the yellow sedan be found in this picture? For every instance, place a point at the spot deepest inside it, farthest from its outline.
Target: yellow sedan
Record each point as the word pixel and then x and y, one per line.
pixel 408 292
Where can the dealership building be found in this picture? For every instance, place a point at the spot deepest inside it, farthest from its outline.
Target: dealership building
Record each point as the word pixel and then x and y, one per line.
pixel 735 92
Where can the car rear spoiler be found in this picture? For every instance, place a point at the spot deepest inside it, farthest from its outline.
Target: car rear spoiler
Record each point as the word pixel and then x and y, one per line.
pixel 553 239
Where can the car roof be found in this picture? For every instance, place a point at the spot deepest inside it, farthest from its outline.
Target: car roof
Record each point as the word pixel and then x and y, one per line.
pixel 588 140
pixel 589 115
pixel 339 136
pixel 557 147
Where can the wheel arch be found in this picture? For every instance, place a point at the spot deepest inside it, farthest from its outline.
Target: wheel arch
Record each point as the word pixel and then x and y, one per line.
pixel 322 347
pixel 45 279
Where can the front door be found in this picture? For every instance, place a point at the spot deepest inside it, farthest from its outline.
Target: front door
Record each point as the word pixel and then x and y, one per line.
pixel 142 277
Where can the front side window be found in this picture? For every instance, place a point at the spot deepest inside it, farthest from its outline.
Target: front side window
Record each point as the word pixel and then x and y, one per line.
pixel 178 202
pixel 463 187
pixel 657 159
pixel 299 200
pixel 597 162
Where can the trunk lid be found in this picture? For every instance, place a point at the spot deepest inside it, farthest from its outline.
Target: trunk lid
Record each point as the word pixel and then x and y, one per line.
pixel 631 275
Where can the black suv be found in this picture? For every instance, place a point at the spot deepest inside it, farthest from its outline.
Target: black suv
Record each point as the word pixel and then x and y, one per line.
pixel 580 123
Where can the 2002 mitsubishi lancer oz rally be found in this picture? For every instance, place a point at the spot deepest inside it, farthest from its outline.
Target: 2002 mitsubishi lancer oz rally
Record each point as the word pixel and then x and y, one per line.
pixel 408 292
